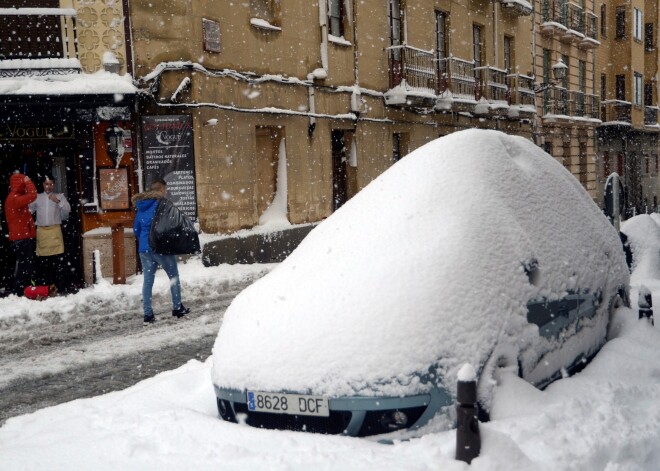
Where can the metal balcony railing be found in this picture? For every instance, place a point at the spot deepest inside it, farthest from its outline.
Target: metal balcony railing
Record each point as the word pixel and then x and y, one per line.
pixel 574 17
pixel 521 90
pixel 416 66
pixel 591 106
pixel 457 77
pixel 615 111
pixel 590 25
pixel 576 103
pixel 555 101
pixel 491 84
pixel 553 11
pixel 650 116
pixel 38 33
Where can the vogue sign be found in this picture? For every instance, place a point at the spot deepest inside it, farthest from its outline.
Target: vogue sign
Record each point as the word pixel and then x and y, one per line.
pixel 39 131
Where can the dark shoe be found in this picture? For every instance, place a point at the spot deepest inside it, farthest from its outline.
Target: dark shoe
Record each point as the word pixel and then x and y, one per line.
pixel 182 311
pixel 149 320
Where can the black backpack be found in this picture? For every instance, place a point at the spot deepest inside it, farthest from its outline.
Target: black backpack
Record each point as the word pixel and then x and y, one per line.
pixel 172 232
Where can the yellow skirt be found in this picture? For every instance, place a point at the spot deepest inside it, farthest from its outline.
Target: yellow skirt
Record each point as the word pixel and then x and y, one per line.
pixel 49 240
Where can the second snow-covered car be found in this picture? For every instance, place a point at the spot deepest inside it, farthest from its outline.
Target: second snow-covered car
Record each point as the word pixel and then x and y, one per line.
pixel 476 248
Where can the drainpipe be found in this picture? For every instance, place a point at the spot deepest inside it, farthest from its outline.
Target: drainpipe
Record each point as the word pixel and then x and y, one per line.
pixel 535 125
pixel 495 36
pixel 355 44
pixel 323 21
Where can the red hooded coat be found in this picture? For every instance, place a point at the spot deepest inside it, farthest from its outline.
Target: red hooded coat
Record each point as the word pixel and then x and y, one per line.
pixel 19 218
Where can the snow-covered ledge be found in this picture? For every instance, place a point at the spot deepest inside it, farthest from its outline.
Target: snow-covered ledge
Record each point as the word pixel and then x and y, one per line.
pixel 339 40
pixel 40 64
pixel 263 24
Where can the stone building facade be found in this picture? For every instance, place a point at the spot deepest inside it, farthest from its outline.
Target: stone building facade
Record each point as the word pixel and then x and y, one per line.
pixel 348 86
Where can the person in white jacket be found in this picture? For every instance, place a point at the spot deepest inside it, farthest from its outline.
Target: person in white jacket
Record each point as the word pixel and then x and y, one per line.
pixel 51 209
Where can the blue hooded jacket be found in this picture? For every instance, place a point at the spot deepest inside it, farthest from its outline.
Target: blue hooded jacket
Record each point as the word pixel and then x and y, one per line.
pixel 146 204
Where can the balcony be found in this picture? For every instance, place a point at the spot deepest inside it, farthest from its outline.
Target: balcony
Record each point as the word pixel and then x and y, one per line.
pixel 651 117
pixel 413 78
pixel 517 7
pixel 590 41
pixel 574 22
pixel 40 41
pixel 615 112
pixel 553 18
pixel 457 85
pixel 592 107
pixel 491 91
pixel 583 107
pixel 556 105
pixel 522 99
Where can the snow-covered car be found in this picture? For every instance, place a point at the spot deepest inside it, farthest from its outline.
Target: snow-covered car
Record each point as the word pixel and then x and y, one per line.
pixel 476 248
pixel 643 233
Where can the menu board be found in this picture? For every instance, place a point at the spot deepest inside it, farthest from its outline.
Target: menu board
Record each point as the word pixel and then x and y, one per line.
pixel 167 144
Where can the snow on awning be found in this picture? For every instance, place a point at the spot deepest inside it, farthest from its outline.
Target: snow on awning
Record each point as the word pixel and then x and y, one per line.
pixel 98 83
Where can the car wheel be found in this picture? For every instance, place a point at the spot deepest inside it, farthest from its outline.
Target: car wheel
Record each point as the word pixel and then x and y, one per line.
pixel 620 299
pixel 502 360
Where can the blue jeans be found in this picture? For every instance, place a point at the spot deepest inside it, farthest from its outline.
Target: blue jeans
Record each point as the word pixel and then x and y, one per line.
pixel 150 262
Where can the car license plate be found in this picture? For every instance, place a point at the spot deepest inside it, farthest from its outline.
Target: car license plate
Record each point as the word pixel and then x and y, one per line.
pixel 293 404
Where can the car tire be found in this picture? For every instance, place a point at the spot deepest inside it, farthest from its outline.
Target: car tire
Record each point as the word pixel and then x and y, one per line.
pixel 501 360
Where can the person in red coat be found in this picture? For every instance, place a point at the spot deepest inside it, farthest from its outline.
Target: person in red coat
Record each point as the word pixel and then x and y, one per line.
pixel 22 230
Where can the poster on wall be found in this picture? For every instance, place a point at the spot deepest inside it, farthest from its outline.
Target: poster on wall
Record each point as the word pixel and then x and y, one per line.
pixel 167 143
pixel 113 188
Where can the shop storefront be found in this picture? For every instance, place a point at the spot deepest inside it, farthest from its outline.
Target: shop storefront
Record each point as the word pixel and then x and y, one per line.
pixel 74 138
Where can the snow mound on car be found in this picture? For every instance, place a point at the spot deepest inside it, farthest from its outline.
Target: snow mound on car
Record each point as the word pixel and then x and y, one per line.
pixel 423 267
pixel 643 234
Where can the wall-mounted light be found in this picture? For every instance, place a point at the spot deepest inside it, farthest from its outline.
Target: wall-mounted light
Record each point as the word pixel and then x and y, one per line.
pixel 115 141
pixel 559 70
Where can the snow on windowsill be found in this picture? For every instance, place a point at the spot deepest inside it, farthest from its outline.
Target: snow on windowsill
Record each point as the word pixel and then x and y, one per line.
pixel 263 24
pixel 339 40
pixel 40 64
pixel 38 11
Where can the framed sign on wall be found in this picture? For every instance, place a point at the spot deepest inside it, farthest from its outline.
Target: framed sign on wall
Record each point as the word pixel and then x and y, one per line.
pixel 114 190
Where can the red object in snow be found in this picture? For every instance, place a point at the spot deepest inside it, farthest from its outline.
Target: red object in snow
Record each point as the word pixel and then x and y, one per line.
pixel 36 292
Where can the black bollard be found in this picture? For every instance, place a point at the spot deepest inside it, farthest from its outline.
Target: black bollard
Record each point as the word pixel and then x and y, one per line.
pixel 468 440
pixel 645 303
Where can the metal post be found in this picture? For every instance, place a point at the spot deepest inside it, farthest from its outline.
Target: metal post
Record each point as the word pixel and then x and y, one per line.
pixel 468 440
pixel 645 303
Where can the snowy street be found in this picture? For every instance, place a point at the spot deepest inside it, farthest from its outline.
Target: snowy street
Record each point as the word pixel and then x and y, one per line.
pixel 94 342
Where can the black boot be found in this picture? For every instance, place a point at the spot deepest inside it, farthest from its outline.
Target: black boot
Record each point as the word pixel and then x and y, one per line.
pixel 182 311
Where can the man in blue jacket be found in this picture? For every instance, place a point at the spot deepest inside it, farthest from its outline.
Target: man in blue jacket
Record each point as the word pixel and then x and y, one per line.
pixel 146 204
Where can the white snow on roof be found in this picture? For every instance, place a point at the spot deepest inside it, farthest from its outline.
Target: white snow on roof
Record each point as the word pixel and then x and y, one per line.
pixel 98 83
pixel 374 292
